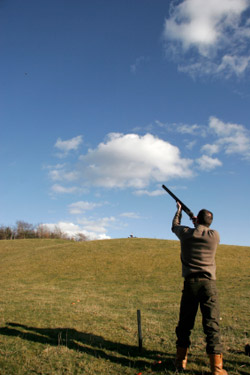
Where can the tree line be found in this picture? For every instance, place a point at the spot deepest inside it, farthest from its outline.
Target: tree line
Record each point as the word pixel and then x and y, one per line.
pixel 24 230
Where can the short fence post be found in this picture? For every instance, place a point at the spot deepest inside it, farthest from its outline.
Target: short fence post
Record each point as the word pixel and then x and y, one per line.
pixel 139 329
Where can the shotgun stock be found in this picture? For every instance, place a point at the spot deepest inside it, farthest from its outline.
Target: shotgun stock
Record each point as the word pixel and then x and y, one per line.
pixel 183 206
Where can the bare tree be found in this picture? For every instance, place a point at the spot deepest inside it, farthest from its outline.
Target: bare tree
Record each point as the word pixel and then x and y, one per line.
pixel 42 231
pixel 81 237
pixel 24 230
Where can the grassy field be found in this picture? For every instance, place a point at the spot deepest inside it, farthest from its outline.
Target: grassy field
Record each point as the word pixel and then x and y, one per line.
pixel 71 308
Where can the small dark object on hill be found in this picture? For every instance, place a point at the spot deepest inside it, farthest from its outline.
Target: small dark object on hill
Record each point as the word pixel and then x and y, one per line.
pixel 247 350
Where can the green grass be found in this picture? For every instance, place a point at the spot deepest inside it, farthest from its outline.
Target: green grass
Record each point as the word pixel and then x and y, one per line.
pixel 71 308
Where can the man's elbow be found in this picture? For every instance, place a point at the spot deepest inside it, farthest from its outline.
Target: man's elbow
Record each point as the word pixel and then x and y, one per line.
pixel 173 228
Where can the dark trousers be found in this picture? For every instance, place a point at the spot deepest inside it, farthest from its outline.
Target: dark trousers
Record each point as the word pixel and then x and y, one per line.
pixel 200 292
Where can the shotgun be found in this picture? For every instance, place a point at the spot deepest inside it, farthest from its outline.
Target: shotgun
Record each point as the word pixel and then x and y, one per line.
pixel 183 206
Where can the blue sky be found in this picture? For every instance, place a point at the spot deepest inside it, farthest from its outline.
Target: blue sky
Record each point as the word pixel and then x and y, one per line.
pixel 102 102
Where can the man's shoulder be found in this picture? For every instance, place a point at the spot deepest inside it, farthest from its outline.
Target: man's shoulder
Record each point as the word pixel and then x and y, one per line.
pixel 181 229
pixel 212 233
pixel 215 233
pixel 203 227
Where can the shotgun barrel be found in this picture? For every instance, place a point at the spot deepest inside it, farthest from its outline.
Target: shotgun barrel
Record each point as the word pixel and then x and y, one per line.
pixel 183 206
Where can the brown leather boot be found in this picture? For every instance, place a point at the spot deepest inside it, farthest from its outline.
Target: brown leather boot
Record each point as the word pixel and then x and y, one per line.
pixel 216 363
pixel 181 358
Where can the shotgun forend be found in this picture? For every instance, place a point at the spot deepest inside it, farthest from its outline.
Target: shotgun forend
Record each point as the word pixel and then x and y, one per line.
pixel 183 206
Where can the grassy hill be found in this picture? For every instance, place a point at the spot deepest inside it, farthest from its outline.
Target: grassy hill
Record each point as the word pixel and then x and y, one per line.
pixel 71 308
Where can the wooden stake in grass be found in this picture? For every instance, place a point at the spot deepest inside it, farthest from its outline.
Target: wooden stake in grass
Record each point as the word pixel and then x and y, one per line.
pixel 139 329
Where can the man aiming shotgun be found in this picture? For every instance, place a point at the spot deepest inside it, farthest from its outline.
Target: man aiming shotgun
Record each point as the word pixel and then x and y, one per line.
pixel 198 248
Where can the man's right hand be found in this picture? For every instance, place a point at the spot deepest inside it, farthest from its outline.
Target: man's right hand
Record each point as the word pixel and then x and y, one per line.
pixel 178 205
pixel 194 220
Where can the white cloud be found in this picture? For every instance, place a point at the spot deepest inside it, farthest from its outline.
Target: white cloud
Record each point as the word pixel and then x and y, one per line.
pixel 232 138
pixel 133 161
pixel 73 230
pixel 188 129
pixel 191 129
pixel 68 145
pixel 215 30
pixel 130 215
pixel 97 225
pixel 211 149
pixel 206 163
pixel 81 206
pixel 234 64
pixel 154 193
pixel 56 188
pixel 203 23
pixel 52 167
pixel 190 145
pixel 62 175
pixel 200 68
pixel 223 129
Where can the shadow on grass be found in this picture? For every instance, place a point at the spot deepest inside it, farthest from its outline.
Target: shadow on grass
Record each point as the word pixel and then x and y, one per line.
pixel 98 347
pixel 93 345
